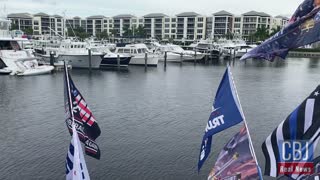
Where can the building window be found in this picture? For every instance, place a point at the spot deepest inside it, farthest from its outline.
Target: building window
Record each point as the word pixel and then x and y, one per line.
pixel 167 25
pixel 173 31
pixel 200 25
pixel 167 20
pixel 199 31
pixel 134 20
pixel 173 19
pixel 36 23
pixel 200 19
pixel 173 25
pixel 237 19
pixel 166 31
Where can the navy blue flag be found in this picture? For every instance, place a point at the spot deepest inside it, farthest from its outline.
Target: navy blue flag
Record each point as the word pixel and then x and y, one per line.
pixel 78 112
pixel 225 114
pixel 303 29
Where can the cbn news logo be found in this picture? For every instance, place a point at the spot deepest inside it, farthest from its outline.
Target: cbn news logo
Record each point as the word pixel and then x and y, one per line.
pixel 295 158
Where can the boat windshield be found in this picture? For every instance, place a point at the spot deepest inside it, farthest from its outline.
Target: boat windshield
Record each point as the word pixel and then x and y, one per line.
pixel 2 64
pixel 9 45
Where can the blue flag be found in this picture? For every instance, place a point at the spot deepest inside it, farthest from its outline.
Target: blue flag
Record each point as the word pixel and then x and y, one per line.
pixel 225 114
pixel 303 29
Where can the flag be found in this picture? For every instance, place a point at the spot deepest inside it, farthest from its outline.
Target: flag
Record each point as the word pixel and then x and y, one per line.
pixel 235 160
pixel 78 112
pixel 76 168
pixel 302 29
pixel 225 114
pixel 303 124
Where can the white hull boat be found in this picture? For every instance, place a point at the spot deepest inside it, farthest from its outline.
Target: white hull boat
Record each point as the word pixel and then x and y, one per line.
pixel 138 53
pixel 140 60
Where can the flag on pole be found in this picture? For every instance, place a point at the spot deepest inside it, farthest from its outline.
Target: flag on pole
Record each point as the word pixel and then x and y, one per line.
pixel 76 168
pixel 302 128
pixel 226 113
pixel 78 113
pixel 302 29
pixel 235 160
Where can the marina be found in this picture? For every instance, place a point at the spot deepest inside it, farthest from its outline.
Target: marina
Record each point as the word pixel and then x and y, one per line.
pixel 163 138
pixel 108 91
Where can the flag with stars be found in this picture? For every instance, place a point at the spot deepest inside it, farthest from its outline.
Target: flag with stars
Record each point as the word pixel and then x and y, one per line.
pixel 303 124
pixel 302 29
pixel 78 112
pixel 76 168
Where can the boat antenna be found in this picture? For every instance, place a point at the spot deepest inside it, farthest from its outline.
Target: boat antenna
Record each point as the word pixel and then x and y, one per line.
pixel 70 26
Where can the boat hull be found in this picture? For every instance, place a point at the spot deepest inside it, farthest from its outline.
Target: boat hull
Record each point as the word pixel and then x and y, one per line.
pixel 113 61
pixel 78 61
pixel 172 57
pixel 139 60
pixel 36 71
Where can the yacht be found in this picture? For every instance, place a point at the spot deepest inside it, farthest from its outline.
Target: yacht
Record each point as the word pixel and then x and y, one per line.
pixel 138 52
pixel 175 53
pixel 15 60
pixel 208 47
pixel 111 59
pixel 75 54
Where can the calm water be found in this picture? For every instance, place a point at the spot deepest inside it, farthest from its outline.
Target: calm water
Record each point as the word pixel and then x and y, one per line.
pixel 152 122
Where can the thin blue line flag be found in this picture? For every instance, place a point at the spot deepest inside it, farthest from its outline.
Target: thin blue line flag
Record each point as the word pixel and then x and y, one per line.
pixel 225 114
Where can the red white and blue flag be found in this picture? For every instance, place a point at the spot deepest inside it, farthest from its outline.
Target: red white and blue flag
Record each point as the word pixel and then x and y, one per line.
pixel 303 29
pixel 78 112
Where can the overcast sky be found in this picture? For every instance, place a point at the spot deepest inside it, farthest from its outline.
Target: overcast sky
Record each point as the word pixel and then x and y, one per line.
pixel 85 8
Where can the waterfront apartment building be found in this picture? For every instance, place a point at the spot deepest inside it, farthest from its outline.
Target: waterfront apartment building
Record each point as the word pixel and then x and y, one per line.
pixel 186 26
pixel 222 23
pixel 190 26
pixel 253 20
pixel 40 23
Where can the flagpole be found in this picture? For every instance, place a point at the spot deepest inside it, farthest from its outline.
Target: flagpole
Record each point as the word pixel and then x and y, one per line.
pixel 244 119
pixel 69 93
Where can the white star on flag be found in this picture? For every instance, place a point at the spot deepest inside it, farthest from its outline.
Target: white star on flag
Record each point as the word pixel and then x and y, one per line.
pixel 316 93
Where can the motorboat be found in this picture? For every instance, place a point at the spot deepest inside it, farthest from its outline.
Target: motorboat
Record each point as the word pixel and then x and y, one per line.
pixel 30 67
pixel 242 50
pixel 174 53
pixel 11 53
pixel 206 47
pixel 138 53
pixel 111 59
pixel 75 54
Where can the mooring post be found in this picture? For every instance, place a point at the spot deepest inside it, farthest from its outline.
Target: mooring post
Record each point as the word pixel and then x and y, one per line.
pixel 206 57
pixel 90 56
pixel 146 60
pixel 181 57
pixel 118 61
pixel 51 58
pixel 195 56
pixel 165 59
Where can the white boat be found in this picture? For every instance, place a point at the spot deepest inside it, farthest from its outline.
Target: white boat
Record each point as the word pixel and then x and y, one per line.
pixel 242 50
pixel 138 53
pixel 75 54
pixel 208 47
pixel 11 54
pixel 31 68
pixel 174 53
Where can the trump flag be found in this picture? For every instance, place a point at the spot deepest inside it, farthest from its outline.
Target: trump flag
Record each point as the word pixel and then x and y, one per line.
pixel 303 29
pixel 225 114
